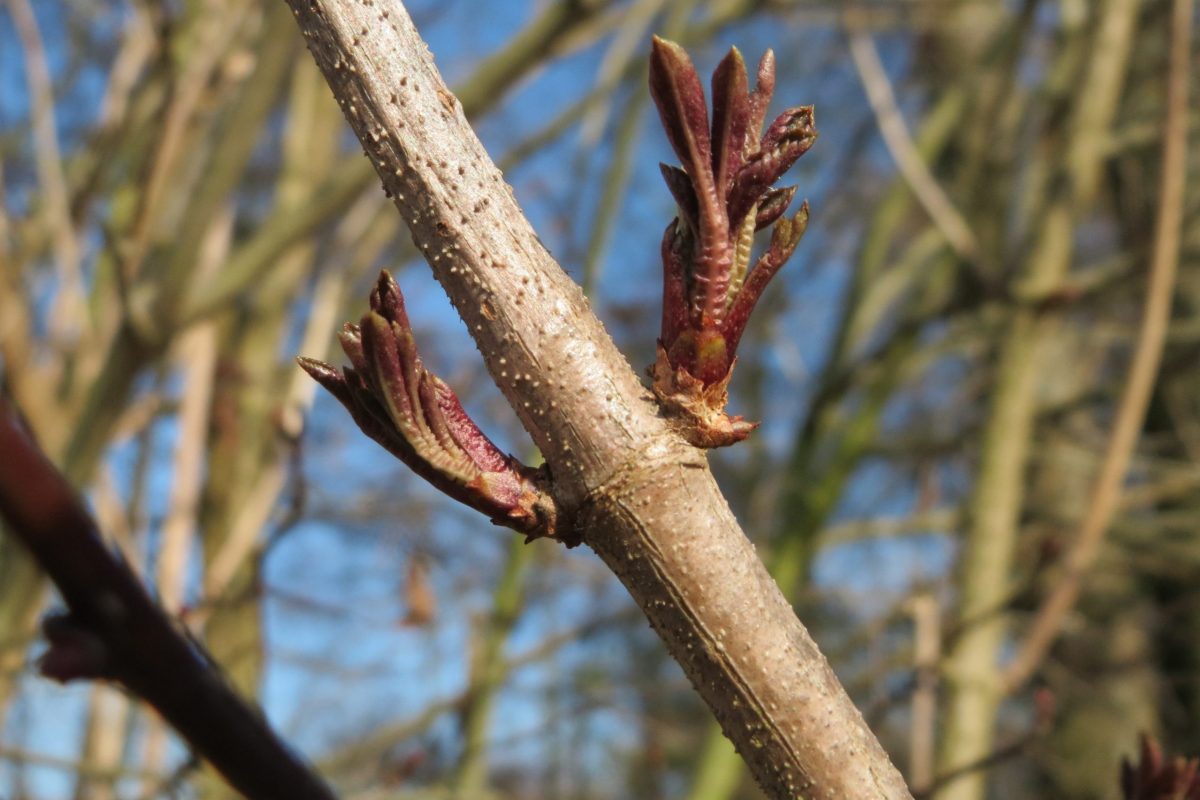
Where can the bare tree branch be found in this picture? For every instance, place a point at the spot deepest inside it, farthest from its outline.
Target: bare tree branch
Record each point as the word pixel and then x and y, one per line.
pixel 952 224
pixel 641 497
pixel 115 631
pixel 69 305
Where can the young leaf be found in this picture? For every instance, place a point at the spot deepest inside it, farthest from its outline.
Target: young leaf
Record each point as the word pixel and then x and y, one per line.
pixel 676 90
pixel 731 114
pixel 789 137
pixel 760 100
pixel 674 256
pixel 772 206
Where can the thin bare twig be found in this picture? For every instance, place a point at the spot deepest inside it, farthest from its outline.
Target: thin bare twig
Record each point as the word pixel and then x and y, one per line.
pixel 262 497
pixel 997 756
pixel 69 305
pixel 186 94
pixel 104 743
pixel 197 359
pixel 74 766
pixel 900 145
pixel 139 43
pixel 1143 369
pixel 927 646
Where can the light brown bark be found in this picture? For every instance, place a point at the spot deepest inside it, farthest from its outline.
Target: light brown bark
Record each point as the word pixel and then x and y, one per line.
pixel 641 498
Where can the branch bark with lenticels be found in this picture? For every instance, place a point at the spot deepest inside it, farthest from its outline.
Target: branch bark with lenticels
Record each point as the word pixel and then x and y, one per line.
pixel 622 476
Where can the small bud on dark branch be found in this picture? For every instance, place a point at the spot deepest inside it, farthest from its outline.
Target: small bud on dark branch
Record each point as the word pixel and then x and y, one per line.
pixel 724 195
pixel 417 418
pixel 75 651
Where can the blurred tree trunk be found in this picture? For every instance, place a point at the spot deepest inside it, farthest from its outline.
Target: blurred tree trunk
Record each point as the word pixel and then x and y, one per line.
pixel 1091 67
pixel 488 670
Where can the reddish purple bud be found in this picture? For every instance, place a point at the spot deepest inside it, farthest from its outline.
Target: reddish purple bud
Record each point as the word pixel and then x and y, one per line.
pixel 1155 778
pixel 387 301
pixel 412 413
pixel 724 194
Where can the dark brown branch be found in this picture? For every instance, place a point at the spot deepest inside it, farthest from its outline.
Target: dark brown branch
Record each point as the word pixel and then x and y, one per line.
pixel 113 630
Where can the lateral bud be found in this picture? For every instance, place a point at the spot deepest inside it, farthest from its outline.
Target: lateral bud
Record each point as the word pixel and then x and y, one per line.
pixel 75 651
pixel 417 418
